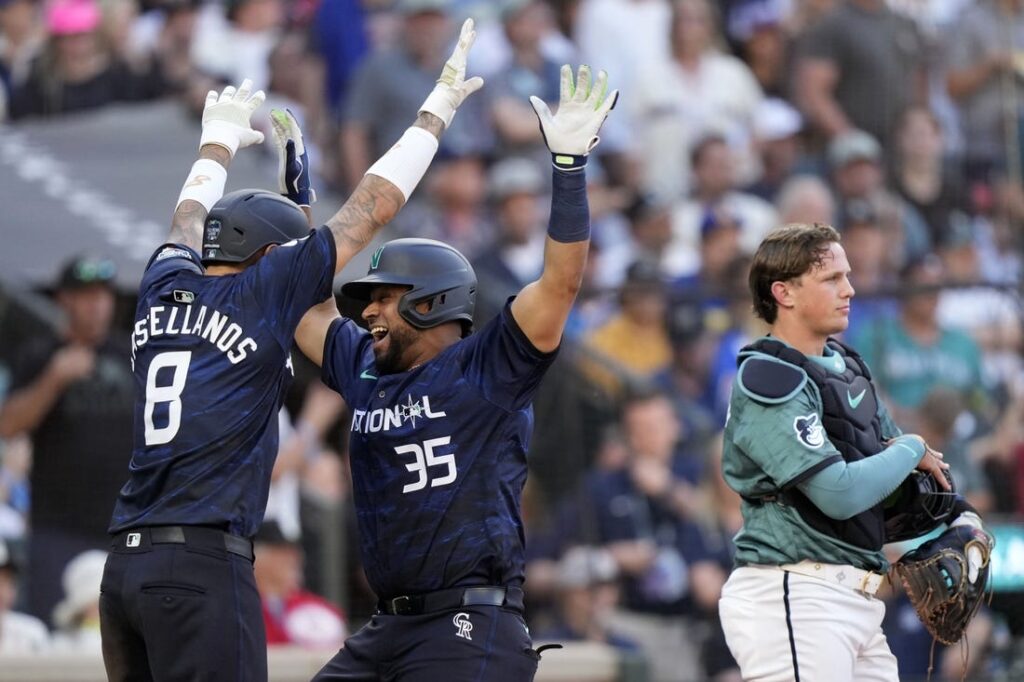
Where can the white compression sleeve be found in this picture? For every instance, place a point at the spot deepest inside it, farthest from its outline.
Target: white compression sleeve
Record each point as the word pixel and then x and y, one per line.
pixel 205 183
pixel 405 163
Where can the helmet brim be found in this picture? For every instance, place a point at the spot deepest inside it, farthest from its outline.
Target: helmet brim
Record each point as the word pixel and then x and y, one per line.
pixel 360 289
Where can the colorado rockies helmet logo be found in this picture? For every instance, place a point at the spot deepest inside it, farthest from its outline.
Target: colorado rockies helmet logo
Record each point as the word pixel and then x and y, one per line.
pixel 809 431
pixel 461 621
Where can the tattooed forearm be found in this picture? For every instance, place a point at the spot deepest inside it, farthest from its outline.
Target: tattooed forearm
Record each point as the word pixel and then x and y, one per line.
pixel 188 219
pixel 187 225
pixel 430 123
pixel 373 204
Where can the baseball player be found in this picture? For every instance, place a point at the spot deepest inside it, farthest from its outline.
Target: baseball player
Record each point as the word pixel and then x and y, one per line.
pixel 218 308
pixel 814 454
pixel 441 426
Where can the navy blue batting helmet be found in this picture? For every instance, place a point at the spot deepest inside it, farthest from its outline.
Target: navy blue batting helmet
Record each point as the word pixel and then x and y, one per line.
pixel 435 272
pixel 243 222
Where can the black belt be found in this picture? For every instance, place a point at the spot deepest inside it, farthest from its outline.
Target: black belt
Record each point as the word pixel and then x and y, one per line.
pixel 443 600
pixel 183 535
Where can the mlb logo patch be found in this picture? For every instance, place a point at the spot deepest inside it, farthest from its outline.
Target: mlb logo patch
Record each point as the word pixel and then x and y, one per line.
pixel 133 540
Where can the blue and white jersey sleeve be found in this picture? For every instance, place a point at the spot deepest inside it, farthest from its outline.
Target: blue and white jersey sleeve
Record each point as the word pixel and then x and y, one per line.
pixel 291 279
pixel 348 357
pixel 503 363
pixel 166 262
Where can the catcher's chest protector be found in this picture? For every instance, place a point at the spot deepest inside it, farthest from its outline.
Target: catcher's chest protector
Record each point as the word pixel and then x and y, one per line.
pixel 850 418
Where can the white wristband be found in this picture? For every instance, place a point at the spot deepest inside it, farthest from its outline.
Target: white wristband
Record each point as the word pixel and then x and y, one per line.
pixel 205 184
pixel 405 163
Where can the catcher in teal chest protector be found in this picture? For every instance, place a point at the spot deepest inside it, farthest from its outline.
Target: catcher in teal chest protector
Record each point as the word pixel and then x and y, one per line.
pixel 826 479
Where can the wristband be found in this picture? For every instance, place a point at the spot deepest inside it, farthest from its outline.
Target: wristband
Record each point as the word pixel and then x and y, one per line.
pixel 205 184
pixel 570 212
pixel 406 162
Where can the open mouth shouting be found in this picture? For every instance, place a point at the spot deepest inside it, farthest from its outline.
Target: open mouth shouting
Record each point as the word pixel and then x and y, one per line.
pixel 379 332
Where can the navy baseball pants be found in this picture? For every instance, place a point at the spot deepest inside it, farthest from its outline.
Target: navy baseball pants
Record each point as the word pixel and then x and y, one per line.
pixel 465 643
pixel 180 603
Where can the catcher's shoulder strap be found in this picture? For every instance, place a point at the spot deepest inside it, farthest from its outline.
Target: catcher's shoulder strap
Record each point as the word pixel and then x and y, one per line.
pixel 767 379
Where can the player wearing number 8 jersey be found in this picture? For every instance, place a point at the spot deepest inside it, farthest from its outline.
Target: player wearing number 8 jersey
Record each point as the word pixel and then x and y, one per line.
pixel 218 307
pixel 441 425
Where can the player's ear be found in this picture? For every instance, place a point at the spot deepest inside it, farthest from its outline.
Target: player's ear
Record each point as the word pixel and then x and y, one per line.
pixel 782 293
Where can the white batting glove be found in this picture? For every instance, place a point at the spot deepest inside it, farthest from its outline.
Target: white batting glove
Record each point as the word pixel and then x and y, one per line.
pixel 452 87
pixel 226 117
pixel 571 133
pixel 293 178
pixel 975 560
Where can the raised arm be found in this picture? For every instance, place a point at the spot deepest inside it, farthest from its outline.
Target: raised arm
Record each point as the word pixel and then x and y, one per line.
pixel 226 129
pixel 542 307
pixel 387 184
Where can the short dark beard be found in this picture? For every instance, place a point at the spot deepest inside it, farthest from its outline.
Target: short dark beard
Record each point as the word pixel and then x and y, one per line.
pixel 399 341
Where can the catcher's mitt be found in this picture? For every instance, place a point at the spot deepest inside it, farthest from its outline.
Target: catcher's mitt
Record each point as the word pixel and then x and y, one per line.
pixel 937 575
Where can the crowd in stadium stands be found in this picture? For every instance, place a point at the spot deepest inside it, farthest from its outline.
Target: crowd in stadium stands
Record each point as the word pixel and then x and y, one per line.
pixel 898 121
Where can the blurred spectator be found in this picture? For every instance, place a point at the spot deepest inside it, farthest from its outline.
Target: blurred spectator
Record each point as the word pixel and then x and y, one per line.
pixel 340 37
pixel 516 255
pixel 77 70
pixel 233 40
pixel 719 247
pixel 22 36
pixel 642 519
pixel 74 396
pixel 634 339
pixel 858 172
pixel 292 615
pixel 860 67
pixel 687 378
pixel 868 249
pixel 737 326
pixel 696 92
pixel 389 85
pixel 715 187
pixel 757 34
pixel 528 72
pixel 650 232
pixel 991 315
pixel 173 26
pixel 77 616
pixel 19 632
pixel 923 179
pixel 805 199
pixel 627 38
pixel 939 413
pixel 15 462
pixel 914 353
pixel 587 594
pixel 450 205
pixel 984 77
pixel 776 130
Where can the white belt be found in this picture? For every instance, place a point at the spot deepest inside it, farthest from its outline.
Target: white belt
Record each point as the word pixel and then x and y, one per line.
pixel 847 576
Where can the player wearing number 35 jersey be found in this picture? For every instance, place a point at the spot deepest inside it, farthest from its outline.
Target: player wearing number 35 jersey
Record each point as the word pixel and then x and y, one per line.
pixel 440 429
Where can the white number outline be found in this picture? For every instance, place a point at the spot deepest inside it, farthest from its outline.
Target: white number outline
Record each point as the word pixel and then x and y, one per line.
pixel 424 458
pixel 170 394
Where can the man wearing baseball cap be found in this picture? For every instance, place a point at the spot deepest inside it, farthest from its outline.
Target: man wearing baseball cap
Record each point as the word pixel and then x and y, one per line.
pixel 72 395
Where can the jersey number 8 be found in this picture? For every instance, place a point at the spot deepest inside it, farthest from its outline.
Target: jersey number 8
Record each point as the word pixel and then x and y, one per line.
pixel 178 361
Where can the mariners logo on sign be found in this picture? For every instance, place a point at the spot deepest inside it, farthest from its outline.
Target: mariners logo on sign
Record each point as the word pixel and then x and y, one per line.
pixel 375 258
pixel 809 431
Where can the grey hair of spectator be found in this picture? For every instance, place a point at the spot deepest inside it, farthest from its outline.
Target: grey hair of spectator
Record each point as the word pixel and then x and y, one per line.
pixel 805 199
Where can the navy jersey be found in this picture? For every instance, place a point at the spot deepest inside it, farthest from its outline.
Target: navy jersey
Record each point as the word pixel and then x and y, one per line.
pixel 211 358
pixel 438 456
